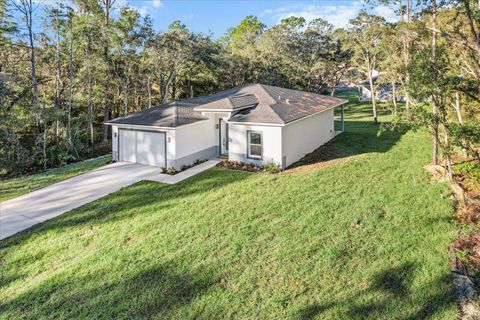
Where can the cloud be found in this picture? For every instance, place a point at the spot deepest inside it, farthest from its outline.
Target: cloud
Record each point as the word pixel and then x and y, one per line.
pixel 188 17
pixel 386 12
pixel 143 11
pixel 338 15
pixel 157 3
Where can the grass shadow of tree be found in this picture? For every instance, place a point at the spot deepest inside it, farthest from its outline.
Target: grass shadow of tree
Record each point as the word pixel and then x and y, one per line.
pixel 394 285
pixel 154 292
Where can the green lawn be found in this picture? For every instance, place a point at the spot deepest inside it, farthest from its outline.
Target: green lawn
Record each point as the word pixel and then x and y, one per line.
pixel 366 238
pixel 11 188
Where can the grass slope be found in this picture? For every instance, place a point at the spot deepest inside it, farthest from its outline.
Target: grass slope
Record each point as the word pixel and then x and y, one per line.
pixel 366 238
pixel 11 188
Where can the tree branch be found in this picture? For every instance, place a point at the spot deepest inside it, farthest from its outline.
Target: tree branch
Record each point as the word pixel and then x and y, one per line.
pixel 471 45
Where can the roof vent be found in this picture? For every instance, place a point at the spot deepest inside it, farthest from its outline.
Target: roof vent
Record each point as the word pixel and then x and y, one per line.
pixel 288 101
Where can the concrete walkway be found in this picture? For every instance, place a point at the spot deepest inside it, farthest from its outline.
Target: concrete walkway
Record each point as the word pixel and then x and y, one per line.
pixel 38 206
pixel 184 174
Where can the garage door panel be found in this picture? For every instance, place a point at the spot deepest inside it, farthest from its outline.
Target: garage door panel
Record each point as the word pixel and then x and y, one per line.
pixel 127 146
pixel 151 148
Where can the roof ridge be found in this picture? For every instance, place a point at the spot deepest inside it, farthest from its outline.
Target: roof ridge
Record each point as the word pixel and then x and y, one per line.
pixel 229 101
pixel 261 85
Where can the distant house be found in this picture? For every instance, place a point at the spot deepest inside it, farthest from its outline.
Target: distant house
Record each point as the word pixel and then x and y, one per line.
pixel 255 123
pixel 383 93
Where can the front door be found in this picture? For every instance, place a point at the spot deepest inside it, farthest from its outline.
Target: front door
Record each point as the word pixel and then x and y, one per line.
pixel 223 137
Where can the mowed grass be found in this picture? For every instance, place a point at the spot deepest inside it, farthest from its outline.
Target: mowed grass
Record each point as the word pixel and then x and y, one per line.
pixel 14 187
pixel 367 238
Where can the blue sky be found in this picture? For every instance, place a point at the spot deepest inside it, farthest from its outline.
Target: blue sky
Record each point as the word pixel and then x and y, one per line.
pixel 217 16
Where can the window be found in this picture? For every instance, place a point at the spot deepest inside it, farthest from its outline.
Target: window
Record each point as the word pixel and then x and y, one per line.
pixel 254 146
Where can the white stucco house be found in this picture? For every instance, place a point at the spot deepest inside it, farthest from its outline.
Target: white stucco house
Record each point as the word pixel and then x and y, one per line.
pixel 254 123
pixel 383 93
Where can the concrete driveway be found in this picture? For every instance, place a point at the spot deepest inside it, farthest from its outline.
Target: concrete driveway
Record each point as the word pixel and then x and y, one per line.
pixel 38 206
pixel 23 212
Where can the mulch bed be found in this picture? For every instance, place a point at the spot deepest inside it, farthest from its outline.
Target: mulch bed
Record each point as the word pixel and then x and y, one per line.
pixel 173 171
pixel 250 167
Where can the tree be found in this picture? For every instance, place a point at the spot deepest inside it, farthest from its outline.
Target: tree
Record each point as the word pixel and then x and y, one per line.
pixel 367 33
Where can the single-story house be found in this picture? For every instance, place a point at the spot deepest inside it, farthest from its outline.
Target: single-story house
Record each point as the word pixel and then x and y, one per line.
pixel 384 92
pixel 254 123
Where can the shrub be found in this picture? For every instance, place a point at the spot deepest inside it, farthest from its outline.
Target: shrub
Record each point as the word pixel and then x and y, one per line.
pixel 272 167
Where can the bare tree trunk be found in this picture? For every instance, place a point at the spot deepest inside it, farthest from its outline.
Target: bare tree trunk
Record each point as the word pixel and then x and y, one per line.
pixel 372 90
pixel 26 9
pixel 125 97
pixel 44 149
pixel 4 111
pixel 57 71
pixel 70 87
pixel 138 101
pixel 167 86
pixel 190 85
pixel 162 92
pixel 334 86
pixel 106 112
pixel 460 120
pixel 406 51
pixel 28 5
pixel 394 97
pixel 149 91
pixel 90 99
pixel 174 88
pixel 447 153
pixel 434 102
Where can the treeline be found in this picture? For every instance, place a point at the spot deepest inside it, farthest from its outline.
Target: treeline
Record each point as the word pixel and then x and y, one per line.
pixel 89 61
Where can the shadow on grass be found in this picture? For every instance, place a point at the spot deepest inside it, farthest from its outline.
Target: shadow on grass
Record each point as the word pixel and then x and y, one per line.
pixel 154 292
pixel 360 137
pixel 129 201
pixel 394 287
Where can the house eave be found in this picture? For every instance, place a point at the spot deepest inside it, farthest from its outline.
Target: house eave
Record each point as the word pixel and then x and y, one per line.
pixel 288 123
pixel 316 113
pixel 143 126
pixel 257 124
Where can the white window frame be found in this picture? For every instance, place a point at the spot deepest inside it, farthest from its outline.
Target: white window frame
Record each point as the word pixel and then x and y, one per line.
pixel 249 153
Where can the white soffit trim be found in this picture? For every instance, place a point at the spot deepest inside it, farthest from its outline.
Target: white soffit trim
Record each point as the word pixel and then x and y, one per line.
pixel 257 124
pixel 136 126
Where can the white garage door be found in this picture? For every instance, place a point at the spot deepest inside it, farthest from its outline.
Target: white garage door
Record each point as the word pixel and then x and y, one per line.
pixel 145 147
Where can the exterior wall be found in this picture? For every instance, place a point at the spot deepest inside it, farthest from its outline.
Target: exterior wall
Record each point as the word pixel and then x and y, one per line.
pixel 193 142
pixel 271 144
pixel 303 136
pixel 280 145
pixel 382 95
pixel 366 94
pixel 114 143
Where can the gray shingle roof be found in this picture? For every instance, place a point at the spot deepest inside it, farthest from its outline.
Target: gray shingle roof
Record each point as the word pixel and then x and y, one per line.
pixel 171 115
pixel 252 103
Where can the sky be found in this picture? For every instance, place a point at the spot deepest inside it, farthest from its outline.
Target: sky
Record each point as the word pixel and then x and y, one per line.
pixel 217 16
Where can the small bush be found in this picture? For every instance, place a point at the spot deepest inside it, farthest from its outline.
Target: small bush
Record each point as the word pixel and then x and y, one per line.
pixel 172 171
pixel 272 167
